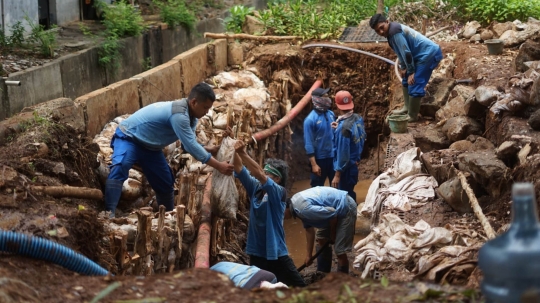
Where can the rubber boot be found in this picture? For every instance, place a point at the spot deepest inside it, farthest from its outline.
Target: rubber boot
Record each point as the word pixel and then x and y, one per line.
pixel 324 260
pixel 343 269
pixel 405 107
pixel 166 199
pixel 414 108
pixel 113 191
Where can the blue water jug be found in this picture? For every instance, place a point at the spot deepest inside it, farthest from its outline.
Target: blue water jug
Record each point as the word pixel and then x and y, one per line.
pixel 511 262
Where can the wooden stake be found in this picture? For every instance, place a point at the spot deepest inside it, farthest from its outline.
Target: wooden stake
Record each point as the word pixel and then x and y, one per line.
pixel 249 37
pixel 180 214
pixel 476 207
pixel 143 241
pixel 158 264
pixel 183 194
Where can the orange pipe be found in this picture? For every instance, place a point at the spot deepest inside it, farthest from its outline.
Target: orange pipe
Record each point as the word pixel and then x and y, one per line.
pixel 263 134
pixel 202 252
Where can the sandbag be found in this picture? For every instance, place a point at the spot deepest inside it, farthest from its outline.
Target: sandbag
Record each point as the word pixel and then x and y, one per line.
pixel 224 194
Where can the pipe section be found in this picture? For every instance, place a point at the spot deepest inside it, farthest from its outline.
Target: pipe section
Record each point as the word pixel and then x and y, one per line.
pixel 47 250
pixel 349 49
pixel 263 134
pixel 202 251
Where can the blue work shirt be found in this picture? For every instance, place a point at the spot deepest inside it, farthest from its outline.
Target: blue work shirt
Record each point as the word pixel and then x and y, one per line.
pixel 238 273
pixel 266 236
pixel 403 40
pixel 159 124
pixel 318 134
pixel 317 205
pixel 349 138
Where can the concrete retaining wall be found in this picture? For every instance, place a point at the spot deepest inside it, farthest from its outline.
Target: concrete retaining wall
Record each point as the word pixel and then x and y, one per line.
pixel 39 84
pixel 79 73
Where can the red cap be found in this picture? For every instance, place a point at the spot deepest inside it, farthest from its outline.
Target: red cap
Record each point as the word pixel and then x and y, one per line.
pixel 344 100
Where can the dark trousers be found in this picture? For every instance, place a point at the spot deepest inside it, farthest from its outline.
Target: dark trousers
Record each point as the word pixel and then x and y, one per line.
pixel 283 268
pixel 348 180
pixel 327 172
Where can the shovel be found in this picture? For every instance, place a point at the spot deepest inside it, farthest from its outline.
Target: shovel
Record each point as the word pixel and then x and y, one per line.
pixel 314 256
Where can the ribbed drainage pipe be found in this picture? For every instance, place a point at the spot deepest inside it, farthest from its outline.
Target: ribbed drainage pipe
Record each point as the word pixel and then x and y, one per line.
pixel 202 251
pixel 263 134
pixel 43 249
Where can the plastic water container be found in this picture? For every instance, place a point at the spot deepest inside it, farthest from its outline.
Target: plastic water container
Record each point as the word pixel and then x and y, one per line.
pixel 511 262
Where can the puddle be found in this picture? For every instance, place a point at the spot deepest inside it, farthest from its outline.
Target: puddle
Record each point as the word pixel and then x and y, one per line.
pixel 294 230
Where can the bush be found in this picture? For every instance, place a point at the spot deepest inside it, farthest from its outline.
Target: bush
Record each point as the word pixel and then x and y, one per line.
pixel 486 11
pixel 46 39
pixel 121 18
pixel 175 12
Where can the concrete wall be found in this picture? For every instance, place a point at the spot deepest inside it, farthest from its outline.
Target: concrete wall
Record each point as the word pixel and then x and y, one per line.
pixel 79 73
pixel 39 84
pixel 16 10
pixel 64 11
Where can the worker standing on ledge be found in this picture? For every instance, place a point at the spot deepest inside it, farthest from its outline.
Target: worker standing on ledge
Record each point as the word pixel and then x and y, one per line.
pixel 418 57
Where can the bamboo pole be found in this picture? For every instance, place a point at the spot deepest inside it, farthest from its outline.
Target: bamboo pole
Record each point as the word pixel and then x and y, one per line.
pixel 70 191
pixel 476 207
pixel 158 265
pixel 143 241
pixel 249 37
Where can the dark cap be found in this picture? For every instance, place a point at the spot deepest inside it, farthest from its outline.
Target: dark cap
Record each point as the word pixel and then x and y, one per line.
pixel 319 92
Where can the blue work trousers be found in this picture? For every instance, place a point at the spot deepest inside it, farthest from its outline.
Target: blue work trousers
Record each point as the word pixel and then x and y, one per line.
pixel 348 180
pixel 421 76
pixel 126 153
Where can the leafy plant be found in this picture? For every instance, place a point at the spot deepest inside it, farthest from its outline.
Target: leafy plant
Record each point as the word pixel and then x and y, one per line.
pixel 109 53
pixel 45 38
pixel 234 22
pixel 175 12
pixel 17 34
pixel 121 18
pixel 486 11
pixel 147 63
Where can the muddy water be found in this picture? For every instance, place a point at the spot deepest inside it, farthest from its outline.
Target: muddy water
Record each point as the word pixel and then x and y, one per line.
pixel 294 231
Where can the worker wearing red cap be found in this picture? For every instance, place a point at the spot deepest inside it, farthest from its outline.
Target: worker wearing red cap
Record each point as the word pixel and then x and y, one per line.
pixel 349 138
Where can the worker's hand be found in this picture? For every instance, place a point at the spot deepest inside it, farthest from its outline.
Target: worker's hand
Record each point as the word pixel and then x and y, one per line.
pixel 212 149
pixel 410 80
pixel 316 169
pixel 225 168
pixel 334 125
pixel 308 261
pixel 335 181
pixel 240 147
pixel 402 72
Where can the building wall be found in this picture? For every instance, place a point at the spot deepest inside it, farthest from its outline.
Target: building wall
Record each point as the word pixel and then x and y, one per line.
pixel 16 10
pixel 64 11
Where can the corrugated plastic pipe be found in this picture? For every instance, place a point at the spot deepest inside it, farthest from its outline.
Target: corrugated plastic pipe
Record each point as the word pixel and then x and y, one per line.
pixel 202 251
pixel 263 134
pixel 43 249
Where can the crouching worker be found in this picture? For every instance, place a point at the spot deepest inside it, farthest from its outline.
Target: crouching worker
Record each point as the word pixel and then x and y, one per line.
pixel 333 213
pixel 141 138
pixel 266 237
pixel 247 277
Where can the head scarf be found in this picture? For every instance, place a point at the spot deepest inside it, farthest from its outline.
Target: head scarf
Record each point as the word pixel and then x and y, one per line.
pixel 321 103
pixel 274 171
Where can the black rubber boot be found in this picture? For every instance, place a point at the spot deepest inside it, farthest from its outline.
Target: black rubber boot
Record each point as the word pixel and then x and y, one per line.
pixel 166 199
pixel 405 107
pixel 113 191
pixel 414 108
pixel 324 260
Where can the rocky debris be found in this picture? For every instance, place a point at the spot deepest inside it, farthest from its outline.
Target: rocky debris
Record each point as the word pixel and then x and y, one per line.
pixel 501 28
pixel 431 138
pixel 486 169
pixel 469 29
pixel 440 163
pixel 14 63
pixel 534 120
pixel 528 51
pixel 436 96
pixel 452 193
pixel 457 104
pixel 458 128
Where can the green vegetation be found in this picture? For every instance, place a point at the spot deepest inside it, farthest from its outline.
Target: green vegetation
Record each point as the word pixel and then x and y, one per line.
pixel 313 19
pixel 46 39
pixel 234 22
pixel 175 12
pixel 120 20
pixel 486 11
pixel 17 34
